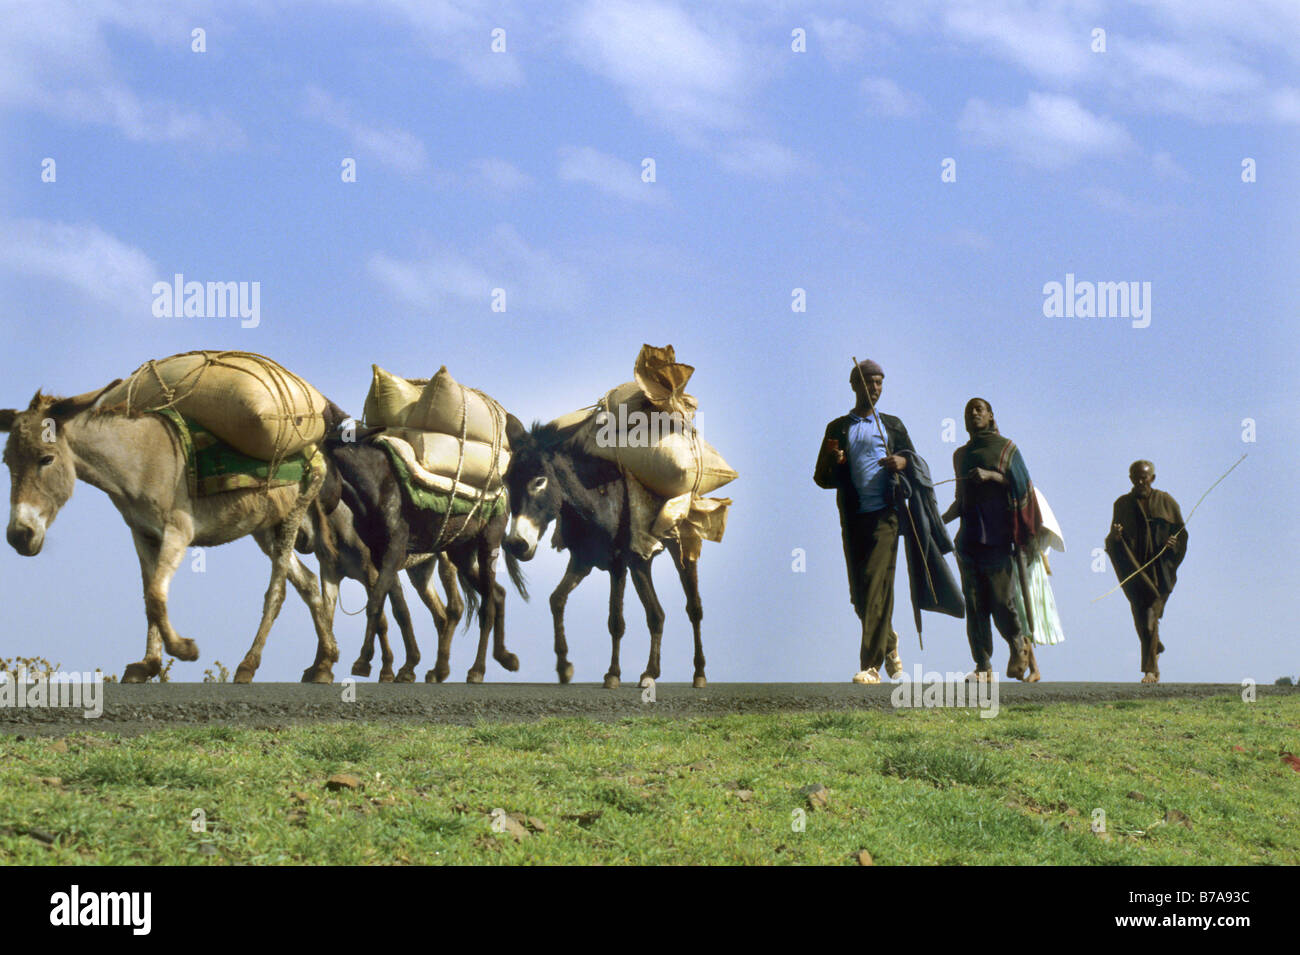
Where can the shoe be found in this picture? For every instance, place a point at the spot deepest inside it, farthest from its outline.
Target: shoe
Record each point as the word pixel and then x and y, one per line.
pixel 868 676
pixel 893 664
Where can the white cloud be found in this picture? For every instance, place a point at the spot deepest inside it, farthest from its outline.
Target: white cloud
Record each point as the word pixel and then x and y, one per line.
pixel 1049 130
pixel 1167 167
pixel 884 97
pixel 1114 201
pixel 55 58
pixel 82 256
pixel 759 159
pixel 611 175
pixel 445 278
pixel 671 70
pixel 498 176
pixel 839 40
pixel 460 31
pixel 395 148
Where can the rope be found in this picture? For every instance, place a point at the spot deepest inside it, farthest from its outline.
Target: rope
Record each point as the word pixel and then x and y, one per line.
pixel 498 436
pixel 1186 521
pixel 338 599
pixel 277 380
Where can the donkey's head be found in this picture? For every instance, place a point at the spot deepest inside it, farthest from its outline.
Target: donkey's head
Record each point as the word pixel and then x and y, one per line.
pixel 531 483
pixel 42 472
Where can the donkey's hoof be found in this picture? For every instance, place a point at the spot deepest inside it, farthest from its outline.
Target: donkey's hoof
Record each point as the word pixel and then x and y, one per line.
pixel 612 682
pixel 319 674
pixel 565 671
pixel 474 676
pixel 361 668
pixel 386 675
pixel 185 649
pixel 509 661
pixel 406 674
pixel 138 672
pixel 244 673
pixel 699 682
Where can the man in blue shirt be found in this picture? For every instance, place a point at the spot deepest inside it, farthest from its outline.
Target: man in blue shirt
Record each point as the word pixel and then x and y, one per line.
pixel 861 467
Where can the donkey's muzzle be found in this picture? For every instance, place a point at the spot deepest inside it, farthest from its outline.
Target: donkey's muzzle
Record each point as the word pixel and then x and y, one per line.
pixel 26 540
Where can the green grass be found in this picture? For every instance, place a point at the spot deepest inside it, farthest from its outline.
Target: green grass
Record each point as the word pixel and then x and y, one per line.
pixel 917 786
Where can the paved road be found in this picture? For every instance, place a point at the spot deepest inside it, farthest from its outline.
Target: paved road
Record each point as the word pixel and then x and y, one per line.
pixel 141 708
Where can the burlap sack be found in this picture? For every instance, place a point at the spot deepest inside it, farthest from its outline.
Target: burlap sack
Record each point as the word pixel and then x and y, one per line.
pixel 449 408
pixel 661 448
pixel 692 520
pixel 438 482
pixel 247 400
pixel 425 421
pixel 439 454
pixel 389 400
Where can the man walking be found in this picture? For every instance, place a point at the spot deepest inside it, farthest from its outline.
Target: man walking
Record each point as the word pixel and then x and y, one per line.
pixel 998 510
pixel 1146 523
pixel 868 458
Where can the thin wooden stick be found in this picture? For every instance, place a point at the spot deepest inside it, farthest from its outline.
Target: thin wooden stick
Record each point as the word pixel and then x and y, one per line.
pixel 1186 521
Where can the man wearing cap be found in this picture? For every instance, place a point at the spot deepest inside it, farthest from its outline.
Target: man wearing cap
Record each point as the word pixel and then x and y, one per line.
pixel 873 476
pixel 1146 525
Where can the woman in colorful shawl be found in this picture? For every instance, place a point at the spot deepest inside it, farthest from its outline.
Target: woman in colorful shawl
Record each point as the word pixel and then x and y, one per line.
pixel 999 517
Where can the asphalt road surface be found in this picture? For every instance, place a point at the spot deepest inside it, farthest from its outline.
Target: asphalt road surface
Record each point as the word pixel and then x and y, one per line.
pixel 145 707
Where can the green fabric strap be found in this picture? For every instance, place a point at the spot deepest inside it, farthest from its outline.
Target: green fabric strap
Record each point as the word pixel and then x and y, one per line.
pixel 214 467
pixel 439 501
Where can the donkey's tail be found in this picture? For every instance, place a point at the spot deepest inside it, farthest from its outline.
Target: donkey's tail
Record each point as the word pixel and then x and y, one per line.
pixel 473 602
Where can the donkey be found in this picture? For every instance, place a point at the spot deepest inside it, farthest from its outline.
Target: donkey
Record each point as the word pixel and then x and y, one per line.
pixel 138 462
pixel 349 557
pixel 401 536
pixel 551 478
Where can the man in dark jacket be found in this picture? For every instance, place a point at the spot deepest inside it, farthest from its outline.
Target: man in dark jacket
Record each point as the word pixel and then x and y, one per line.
pixel 873 479
pixel 1147 522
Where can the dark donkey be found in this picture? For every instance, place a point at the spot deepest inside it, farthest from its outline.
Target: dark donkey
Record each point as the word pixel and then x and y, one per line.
pixel 330 532
pixel 400 536
pixel 551 478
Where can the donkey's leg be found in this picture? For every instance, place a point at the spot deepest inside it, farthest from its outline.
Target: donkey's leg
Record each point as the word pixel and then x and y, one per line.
pixel 446 618
pixel 397 600
pixel 689 571
pixel 499 652
pixel 484 579
pixel 313 594
pixel 421 576
pixel 157 578
pixel 170 555
pixel 654 613
pixel 617 625
pixel 327 651
pixel 574 574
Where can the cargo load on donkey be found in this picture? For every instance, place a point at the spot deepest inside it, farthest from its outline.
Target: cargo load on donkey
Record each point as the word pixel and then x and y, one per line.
pixel 243 420
pixel 447 442
pixel 647 427
pixel 247 400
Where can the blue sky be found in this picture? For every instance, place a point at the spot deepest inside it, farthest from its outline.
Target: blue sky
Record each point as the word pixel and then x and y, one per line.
pixel 774 170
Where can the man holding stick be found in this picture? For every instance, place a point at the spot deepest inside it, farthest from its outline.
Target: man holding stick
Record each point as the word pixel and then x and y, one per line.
pixel 1147 528
pixel 868 458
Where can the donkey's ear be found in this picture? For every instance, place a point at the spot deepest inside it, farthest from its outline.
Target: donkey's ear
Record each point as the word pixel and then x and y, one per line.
pixel 65 408
pixel 514 428
pixel 7 416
